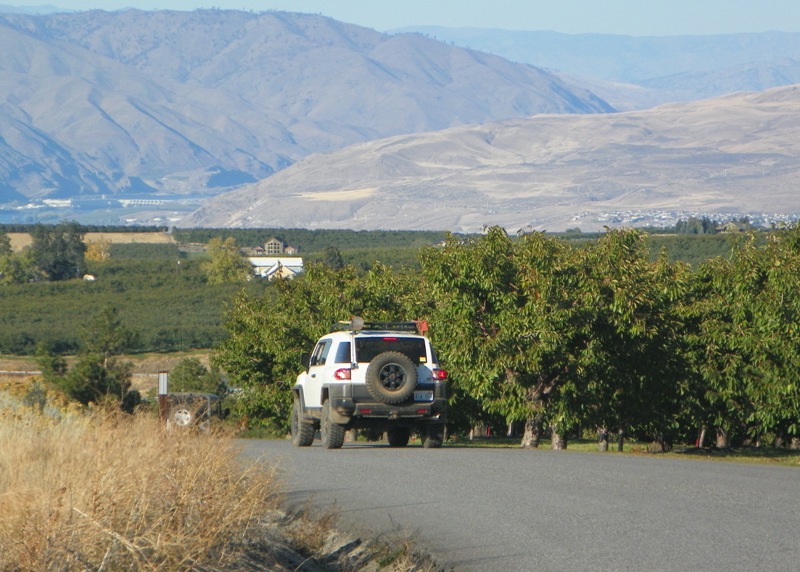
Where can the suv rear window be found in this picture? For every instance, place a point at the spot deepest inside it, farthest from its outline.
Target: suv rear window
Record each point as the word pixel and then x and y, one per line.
pixel 368 348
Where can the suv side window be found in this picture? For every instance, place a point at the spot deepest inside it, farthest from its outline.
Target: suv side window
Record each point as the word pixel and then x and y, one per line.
pixel 343 353
pixel 320 354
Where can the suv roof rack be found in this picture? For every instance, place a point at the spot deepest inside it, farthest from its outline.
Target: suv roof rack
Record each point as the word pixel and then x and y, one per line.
pixel 349 326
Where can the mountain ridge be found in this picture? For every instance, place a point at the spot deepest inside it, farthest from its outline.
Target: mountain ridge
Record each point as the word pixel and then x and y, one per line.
pixel 734 154
pixel 167 101
pixel 644 70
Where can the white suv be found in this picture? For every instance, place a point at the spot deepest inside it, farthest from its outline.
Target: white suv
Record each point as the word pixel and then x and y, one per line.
pixel 379 376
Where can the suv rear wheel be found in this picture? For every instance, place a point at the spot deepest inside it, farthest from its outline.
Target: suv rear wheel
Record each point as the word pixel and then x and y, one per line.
pixel 433 436
pixel 332 434
pixel 391 377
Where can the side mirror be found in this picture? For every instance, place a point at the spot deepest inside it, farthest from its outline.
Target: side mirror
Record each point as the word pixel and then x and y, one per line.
pixel 305 360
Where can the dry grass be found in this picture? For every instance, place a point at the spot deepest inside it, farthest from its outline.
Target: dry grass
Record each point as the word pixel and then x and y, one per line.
pixel 20 240
pixel 112 492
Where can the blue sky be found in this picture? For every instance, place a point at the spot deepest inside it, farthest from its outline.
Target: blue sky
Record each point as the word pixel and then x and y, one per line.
pixel 630 17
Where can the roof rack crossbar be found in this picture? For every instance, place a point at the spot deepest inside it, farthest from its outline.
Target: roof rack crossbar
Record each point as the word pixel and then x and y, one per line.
pixel 346 326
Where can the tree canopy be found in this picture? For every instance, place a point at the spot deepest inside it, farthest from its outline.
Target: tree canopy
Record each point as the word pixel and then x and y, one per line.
pixel 227 264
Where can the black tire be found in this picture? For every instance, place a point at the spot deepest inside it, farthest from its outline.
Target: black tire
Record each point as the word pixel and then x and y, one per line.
pixel 391 377
pixel 398 437
pixel 433 436
pixel 302 432
pixel 332 434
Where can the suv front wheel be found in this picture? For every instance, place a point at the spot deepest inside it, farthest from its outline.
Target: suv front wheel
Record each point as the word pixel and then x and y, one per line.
pixel 302 433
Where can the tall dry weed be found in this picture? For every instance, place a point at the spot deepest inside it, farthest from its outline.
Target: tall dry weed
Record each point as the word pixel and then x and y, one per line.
pixel 119 493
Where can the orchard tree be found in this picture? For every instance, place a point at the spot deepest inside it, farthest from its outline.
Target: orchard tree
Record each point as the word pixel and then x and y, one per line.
pixel 190 374
pixel 106 336
pixel 58 251
pixel 333 258
pixel 476 324
pixel 19 268
pixel 630 353
pixel 747 310
pixel 98 375
pixel 5 245
pixel 98 250
pixel 227 264
pixel 543 333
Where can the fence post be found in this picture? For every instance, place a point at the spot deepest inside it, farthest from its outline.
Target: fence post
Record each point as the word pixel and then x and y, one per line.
pixel 163 383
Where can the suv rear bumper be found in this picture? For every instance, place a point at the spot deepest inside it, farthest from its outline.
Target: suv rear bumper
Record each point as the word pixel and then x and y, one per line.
pixel 352 404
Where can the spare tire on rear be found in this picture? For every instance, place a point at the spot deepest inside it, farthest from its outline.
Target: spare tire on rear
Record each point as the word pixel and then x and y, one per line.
pixel 391 377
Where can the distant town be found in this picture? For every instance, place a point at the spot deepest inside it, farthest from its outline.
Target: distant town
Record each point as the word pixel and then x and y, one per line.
pixel 141 211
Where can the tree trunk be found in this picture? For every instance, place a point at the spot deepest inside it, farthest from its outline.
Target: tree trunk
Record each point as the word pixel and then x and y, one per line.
pixel 558 440
pixel 794 443
pixel 602 438
pixel 701 438
pixel 532 434
pixel 621 439
pixel 722 438
pixel 513 429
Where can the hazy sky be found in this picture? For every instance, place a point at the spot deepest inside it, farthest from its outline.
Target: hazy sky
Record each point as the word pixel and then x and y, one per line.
pixel 631 17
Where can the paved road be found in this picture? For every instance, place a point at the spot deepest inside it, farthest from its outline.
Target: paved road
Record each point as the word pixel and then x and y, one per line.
pixel 506 509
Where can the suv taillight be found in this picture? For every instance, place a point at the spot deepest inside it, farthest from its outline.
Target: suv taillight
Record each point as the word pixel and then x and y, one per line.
pixel 342 374
pixel 439 374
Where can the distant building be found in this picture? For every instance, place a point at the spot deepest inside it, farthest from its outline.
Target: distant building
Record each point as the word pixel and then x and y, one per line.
pixel 271 267
pixel 274 246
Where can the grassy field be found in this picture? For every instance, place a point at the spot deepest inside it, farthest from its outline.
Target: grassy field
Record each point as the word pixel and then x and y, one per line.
pixel 760 455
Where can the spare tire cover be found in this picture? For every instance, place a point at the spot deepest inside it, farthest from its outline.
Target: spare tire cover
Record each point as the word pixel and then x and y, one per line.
pixel 391 377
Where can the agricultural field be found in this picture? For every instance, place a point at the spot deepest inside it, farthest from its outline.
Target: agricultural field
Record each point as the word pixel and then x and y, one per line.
pixel 20 240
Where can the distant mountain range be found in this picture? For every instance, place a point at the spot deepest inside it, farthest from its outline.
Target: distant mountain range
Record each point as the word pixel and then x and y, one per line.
pixel 100 103
pixel 643 71
pixel 143 116
pixel 737 155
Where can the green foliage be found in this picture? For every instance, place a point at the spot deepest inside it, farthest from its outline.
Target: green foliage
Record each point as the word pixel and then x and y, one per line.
pixel 316 241
pixel 165 299
pixel 93 380
pixel 267 334
pixel 227 264
pixel 746 315
pixel 696 225
pixel 97 376
pixel 58 251
pixel 693 248
pixel 190 375
pixel 144 251
pixel 105 335
pixel 19 269
pixel 5 245
pixel 533 327
pixel 333 258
